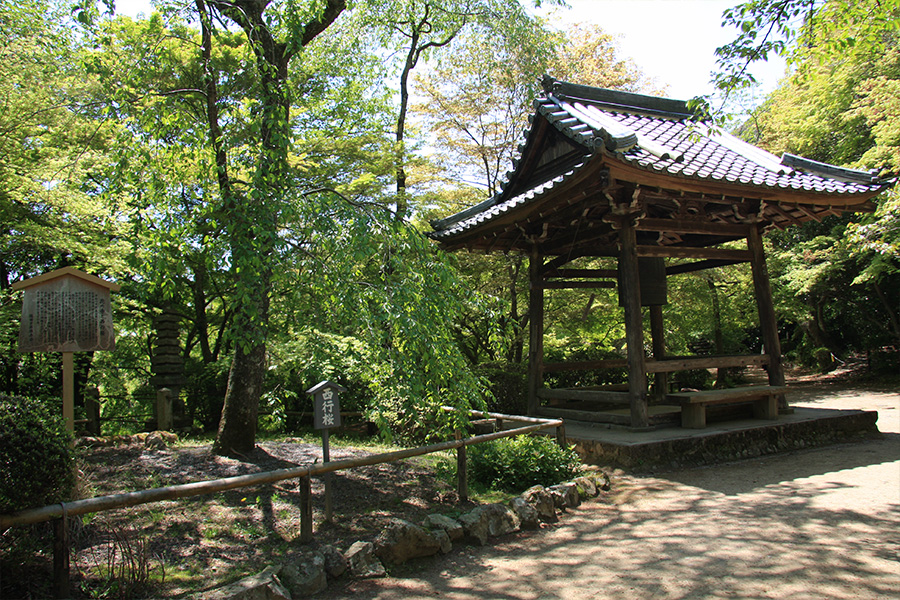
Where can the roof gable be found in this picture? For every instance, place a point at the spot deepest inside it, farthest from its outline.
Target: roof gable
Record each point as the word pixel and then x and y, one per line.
pixel 614 140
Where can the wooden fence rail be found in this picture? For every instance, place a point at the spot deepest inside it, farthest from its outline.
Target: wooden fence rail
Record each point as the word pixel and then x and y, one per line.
pixel 59 513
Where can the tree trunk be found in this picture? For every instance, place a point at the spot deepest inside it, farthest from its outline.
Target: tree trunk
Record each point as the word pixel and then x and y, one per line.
pixel 254 220
pixel 893 320
pixel 237 428
pixel 516 350
pixel 411 59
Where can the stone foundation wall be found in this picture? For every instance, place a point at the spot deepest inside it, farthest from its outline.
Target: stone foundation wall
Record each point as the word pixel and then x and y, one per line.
pixel 722 447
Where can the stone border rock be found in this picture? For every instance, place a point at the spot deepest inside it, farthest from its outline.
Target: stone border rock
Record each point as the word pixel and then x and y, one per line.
pixel 307 572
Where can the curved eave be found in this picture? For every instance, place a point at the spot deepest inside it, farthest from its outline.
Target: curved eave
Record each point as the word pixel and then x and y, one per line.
pixel 524 209
pixel 623 170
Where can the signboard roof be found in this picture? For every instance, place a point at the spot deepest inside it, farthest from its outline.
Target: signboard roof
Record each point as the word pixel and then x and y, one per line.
pixel 50 275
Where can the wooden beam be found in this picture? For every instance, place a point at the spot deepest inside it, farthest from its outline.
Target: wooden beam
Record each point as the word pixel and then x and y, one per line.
pixel 670 365
pixel 576 285
pixel 584 415
pixel 586 365
pixel 783 213
pixel 559 261
pixel 634 334
pixel 573 273
pixel 585 395
pixel 700 265
pixel 688 252
pixel 812 215
pixel 688 226
pixel 563 244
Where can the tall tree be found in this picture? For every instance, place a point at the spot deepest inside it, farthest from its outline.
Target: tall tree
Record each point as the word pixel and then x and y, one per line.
pixel 837 107
pixel 275 34
pixel 476 99
pixel 51 152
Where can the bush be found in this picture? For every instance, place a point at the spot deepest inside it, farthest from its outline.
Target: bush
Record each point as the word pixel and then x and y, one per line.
pixel 515 464
pixel 824 360
pixel 509 387
pixel 695 379
pixel 36 460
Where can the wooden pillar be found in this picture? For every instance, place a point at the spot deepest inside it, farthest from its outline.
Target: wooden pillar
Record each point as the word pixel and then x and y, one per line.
pixel 634 326
pixel 535 330
pixel 306 510
pixel 68 391
pixel 765 306
pixel 61 586
pixel 658 335
pixel 561 436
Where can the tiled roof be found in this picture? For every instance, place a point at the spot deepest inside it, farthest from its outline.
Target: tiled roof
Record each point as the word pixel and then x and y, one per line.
pixel 491 209
pixel 694 150
pixel 659 135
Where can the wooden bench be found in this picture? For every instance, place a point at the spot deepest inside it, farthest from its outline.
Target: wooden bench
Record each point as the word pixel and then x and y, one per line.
pixel 693 404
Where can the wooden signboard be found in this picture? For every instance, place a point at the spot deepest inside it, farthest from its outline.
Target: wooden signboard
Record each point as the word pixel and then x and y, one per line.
pixel 326 415
pixel 326 405
pixel 66 311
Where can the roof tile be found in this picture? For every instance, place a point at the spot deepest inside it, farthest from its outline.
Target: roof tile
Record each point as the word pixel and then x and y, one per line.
pixel 704 154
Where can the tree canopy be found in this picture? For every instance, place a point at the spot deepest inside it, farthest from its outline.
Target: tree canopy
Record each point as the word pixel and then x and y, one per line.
pixel 840 277
pixel 262 172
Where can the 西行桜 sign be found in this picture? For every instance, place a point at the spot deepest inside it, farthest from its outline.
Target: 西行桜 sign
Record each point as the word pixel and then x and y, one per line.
pixel 326 404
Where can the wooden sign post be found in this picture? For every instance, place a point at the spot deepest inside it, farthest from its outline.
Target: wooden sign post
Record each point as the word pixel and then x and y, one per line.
pixel 326 415
pixel 66 311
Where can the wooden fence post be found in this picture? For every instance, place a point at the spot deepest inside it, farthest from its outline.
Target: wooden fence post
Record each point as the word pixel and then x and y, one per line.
pixel 462 479
pixel 561 436
pixel 61 556
pixel 306 512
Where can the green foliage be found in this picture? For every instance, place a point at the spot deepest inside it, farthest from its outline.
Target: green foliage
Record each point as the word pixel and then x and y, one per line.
pixel 515 464
pixel 836 282
pixel 568 352
pixel 204 392
pixel 806 33
pixel 695 379
pixel 508 386
pixel 36 460
pixel 885 362
pixel 309 357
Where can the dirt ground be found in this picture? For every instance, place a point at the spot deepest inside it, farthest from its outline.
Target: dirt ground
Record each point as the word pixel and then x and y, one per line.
pixel 819 524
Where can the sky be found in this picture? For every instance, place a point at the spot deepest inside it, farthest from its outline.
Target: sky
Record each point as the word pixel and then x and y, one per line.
pixel 672 41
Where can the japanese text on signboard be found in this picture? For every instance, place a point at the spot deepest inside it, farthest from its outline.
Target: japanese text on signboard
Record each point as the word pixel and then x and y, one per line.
pixel 327 409
pixel 66 315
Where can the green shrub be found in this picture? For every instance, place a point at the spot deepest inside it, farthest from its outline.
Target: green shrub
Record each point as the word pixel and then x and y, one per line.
pixel 695 379
pixel 509 387
pixel 36 460
pixel 824 360
pixel 515 464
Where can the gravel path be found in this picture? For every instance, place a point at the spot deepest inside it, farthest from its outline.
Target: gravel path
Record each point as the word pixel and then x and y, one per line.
pixel 815 524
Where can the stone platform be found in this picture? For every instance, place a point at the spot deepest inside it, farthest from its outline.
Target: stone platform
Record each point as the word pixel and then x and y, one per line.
pixel 674 447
